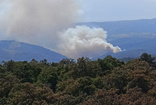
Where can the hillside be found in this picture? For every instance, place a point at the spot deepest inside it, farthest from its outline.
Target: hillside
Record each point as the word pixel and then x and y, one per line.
pixel 130 36
pixel 18 51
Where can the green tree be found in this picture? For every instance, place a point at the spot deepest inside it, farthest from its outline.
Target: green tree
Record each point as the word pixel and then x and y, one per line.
pixel 109 63
pixel 86 67
pixel 149 59
pixel 26 72
pixel 49 77
pixel 28 94
pixel 116 80
pixel 9 66
pixel 67 61
pixel 7 82
pixel 139 78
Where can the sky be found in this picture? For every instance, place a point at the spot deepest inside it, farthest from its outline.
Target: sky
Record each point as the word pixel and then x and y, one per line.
pixel 114 10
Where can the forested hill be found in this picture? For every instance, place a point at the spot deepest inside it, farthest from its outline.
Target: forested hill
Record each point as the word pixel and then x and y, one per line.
pixel 132 36
pixel 19 51
pixel 106 81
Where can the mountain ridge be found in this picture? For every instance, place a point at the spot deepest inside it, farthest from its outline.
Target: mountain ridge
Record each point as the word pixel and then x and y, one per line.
pixel 132 36
pixel 20 51
pixel 129 35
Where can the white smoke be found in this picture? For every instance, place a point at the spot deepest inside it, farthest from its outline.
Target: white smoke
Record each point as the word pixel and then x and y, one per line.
pixel 42 22
pixel 38 21
pixel 85 41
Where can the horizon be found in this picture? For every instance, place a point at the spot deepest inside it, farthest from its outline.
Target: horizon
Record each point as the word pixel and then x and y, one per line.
pixel 107 10
pixel 118 20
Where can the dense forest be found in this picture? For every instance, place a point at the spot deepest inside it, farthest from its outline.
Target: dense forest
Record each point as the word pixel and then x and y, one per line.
pixel 106 81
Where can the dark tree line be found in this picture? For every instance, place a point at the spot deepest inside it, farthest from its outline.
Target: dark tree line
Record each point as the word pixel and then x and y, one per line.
pixel 106 81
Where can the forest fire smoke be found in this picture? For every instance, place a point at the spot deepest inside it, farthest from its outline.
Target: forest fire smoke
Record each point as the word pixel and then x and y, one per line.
pixel 46 23
pixel 85 41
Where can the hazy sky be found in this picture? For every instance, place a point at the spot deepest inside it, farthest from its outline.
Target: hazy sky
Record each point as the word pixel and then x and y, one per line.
pixel 112 10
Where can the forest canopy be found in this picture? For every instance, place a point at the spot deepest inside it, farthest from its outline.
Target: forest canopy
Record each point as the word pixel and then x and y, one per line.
pixel 106 81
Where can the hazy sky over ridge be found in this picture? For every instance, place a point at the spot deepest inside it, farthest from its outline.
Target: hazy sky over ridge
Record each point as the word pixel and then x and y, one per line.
pixel 112 10
pixel 50 23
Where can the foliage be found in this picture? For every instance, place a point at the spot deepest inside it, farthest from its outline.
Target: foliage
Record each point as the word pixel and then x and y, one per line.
pixel 109 63
pixel 106 81
pixel 26 93
pixel 49 77
pixel 149 59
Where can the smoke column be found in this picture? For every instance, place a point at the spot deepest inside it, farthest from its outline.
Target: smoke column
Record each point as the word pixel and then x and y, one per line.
pixel 85 41
pixel 47 23
pixel 39 21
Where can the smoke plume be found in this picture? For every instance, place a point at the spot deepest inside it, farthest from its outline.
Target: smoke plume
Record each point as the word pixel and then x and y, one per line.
pixel 38 21
pixel 85 41
pixel 46 23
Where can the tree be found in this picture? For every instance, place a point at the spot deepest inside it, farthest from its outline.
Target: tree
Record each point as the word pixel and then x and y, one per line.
pixel 116 80
pixel 44 61
pixel 138 78
pixel 80 69
pixel 9 65
pixel 49 77
pixel 26 72
pixel 28 94
pixel 109 63
pixel 67 61
pixel 86 67
pixel 83 85
pixel 33 61
pixel 149 59
pixel 103 97
pixel 7 82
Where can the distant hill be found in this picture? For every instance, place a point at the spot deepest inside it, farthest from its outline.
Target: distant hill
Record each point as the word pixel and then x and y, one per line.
pixel 125 55
pixel 130 36
pixel 133 37
pixel 19 51
pixel 127 26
